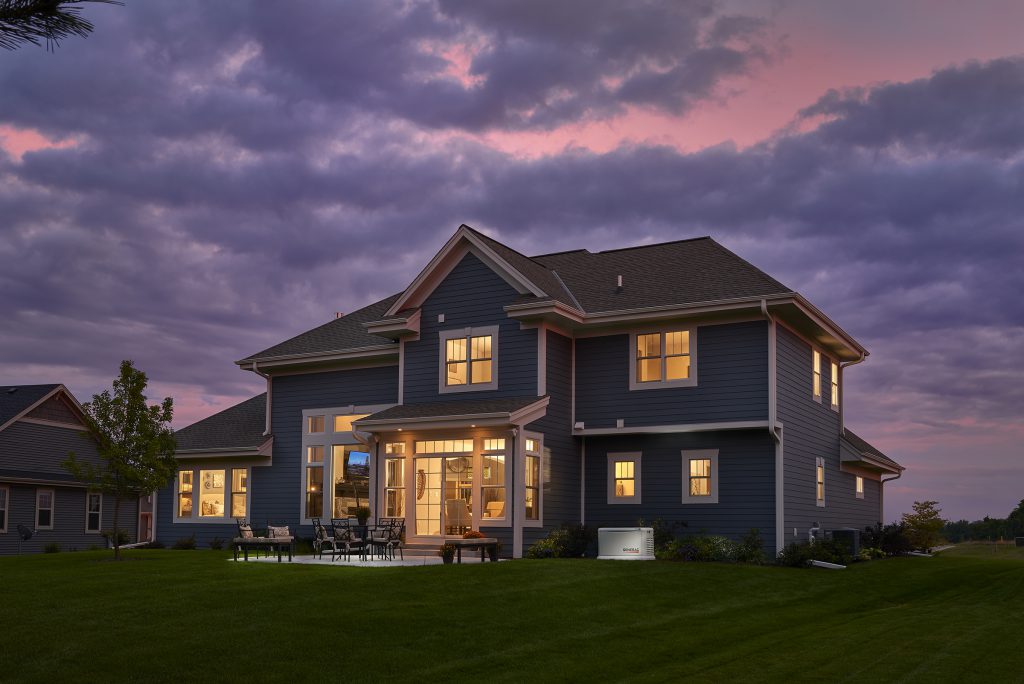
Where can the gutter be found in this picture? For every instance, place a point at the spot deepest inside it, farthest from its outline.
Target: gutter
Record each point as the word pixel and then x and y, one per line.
pixel 881 492
pixel 270 394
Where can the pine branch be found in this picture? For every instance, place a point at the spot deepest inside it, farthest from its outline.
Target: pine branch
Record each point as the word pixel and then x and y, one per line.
pixel 34 21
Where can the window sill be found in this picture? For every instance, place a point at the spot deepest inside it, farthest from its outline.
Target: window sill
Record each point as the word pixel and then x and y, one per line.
pixel 662 384
pixel 479 387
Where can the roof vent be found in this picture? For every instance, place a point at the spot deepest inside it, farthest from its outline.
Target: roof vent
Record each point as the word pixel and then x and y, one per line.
pixel 618 285
pixel 338 314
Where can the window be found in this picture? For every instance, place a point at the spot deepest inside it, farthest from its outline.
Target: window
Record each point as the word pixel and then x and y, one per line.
pixel 394 486
pixel 468 358
pixel 662 358
pixel 445 446
pixel 44 509
pixel 314 424
pixel 819 481
pixel 394 448
pixel 315 481
pixel 350 476
pixel 185 494
pixel 494 444
pixel 93 511
pixel 532 481
pixel 860 487
pixel 492 487
pixel 700 476
pixel 835 387
pixel 5 494
pixel 344 423
pixel 624 478
pixel 239 491
pixel 211 494
pixel 816 383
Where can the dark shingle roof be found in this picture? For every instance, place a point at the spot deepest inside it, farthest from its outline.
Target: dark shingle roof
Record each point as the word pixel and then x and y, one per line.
pixel 536 272
pixel 683 272
pixel 23 396
pixel 240 426
pixel 862 446
pixel 341 334
pixel 445 409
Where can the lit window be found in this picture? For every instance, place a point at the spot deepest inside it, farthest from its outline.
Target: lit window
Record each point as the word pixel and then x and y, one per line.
pixel 532 481
pixel 468 359
pixel 350 473
pixel 835 386
pixel 239 491
pixel 93 511
pixel 623 478
pixel 816 384
pixel 5 494
pixel 344 423
pixel 860 487
pixel 394 487
pixel 44 509
pixel 314 424
pixel 394 448
pixel 315 454
pixel 531 445
pixel 492 486
pixel 444 446
pixel 662 358
pixel 185 494
pixel 819 480
pixel 211 494
pixel 700 476
pixel 494 444
pixel 314 491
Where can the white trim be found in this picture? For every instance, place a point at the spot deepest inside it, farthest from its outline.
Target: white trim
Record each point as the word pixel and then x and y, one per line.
pixel 677 427
pixel 515 514
pixel 99 527
pixel 637 497
pixel 6 508
pixel 39 402
pixel 52 509
pixel 522 416
pixel 53 423
pixel 700 454
pixel 467 333
pixel 691 381
pixel 858 486
pixel 819 462
pixel 197 519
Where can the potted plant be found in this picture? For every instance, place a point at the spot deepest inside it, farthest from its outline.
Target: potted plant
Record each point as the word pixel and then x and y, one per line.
pixel 362 514
pixel 474 534
pixel 447 553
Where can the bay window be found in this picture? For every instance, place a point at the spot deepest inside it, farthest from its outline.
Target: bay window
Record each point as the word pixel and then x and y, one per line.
pixel 492 484
pixel 185 494
pixel 532 481
pixel 239 490
pixel 212 494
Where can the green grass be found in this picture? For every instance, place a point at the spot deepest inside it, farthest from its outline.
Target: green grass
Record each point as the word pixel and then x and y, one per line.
pixel 184 616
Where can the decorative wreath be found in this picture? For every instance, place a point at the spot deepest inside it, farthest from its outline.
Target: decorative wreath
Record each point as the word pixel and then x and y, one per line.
pixel 421 483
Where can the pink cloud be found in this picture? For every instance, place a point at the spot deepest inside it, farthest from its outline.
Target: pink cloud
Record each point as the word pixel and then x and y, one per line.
pixel 18 141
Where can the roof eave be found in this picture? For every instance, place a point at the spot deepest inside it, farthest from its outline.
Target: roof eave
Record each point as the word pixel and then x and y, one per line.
pixel 373 351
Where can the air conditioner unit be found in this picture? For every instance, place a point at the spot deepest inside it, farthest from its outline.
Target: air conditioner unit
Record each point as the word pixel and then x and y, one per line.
pixel 625 543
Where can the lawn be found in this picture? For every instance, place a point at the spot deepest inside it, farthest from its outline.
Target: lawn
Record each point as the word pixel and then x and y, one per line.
pixel 185 616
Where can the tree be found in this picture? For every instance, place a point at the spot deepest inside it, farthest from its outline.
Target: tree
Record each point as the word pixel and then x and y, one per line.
pixel 32 21
pixel 1016 520
pixel 134 441
pixel 924 524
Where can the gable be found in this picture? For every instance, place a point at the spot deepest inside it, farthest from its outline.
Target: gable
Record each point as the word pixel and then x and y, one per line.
pixel 56 409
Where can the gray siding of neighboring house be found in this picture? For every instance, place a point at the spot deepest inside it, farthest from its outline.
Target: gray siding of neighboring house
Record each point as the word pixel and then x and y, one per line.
pixel 732 380
pixel 68 519
pixel 746 490
pixel 561 471
pixel 811 430
pixel 276 490
pixel 472 295
pixel 41 449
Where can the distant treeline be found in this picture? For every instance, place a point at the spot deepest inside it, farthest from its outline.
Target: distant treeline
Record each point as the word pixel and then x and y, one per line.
pixel 987 529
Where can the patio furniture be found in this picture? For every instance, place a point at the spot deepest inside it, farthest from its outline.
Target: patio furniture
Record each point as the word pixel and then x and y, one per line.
pixel 322 538
pixel 386 537
pixel 457 516
pixel 277 538
pixel 347 535
pixel 494 509
pixel 485 544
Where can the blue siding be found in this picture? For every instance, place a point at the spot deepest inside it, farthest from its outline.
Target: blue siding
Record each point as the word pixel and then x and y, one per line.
pixel 471 295
pixel 732 381
pixel 811 430
pixel 561 482
pixel 276 492
pixel 746 489
pixel 40 449
pixel 68 519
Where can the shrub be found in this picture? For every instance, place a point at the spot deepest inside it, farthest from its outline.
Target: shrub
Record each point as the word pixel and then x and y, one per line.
pixel 891 539
pixel 52 547
pixel 702 548
pixel 185 543
pixel 122 537
pixel 664 532
pixel 751 549
pixel 568 541
pixel 447 551
pixel 216 543
pixel 800 554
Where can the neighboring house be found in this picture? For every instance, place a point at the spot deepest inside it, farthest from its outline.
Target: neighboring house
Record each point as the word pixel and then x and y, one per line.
pixel 513 394
pixel 39 426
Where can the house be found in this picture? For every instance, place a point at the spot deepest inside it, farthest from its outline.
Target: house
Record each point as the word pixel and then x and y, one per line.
pixel 39 426
pixel 513 394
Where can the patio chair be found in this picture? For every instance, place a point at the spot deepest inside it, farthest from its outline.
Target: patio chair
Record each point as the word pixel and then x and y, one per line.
pixel 347 535
pixel 457 516
pixel 388 537
pixel 322 538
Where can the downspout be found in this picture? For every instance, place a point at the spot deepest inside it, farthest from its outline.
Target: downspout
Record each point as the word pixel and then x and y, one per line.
pixel 583 480
pixel 270 390
pixel 773 429
pixel 881 494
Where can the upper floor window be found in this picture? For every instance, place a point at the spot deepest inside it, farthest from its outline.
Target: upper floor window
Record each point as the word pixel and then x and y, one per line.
pixel 624 478
pixel 469 359
pixel 344 423
pixel 662 358
pixel 816 370
pixel 835 386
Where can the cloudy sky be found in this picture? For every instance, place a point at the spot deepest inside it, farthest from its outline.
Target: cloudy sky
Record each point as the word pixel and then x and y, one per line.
pixel 197 181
